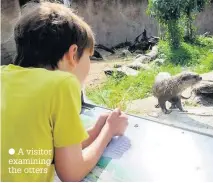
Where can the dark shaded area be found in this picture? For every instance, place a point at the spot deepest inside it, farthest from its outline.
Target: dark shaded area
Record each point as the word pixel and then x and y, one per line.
pixel 122 45
pixel 141 42
pixel 8 51
pixel 7 55
pixel 100 46
pixel 97 55
pixel 182 56
pixel 23 2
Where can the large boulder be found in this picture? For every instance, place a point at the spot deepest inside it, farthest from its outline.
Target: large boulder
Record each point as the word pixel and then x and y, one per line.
pixel 139 52
pixel 154 40
pixel 138 66
pixel 139 55
pixel 96 59
pixel 125 53
pixel 158 62
pixel 204 89
pixel 142 59
pixel 121 72
pixel 153 53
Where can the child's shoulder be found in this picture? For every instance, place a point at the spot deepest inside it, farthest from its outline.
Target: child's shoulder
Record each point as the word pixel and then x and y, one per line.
pixel 60 77
pixel 39 76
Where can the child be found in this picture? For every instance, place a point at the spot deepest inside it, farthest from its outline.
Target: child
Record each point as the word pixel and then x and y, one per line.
pixel 41 100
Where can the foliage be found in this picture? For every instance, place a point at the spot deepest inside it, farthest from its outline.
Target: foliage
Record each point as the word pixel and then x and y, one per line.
pixel 206 64
pixel 168 12
pixel 191 9
pixel 119 92
pixel 174 12
pixel 165 10
pixel 186 55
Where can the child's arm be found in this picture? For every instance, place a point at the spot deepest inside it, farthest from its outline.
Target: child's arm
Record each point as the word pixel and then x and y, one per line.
pixel 94 131
pixel 73 164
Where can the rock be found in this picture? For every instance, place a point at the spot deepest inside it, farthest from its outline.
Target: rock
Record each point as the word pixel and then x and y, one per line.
pixel 121 72
pixel 128 71
pixel 125 53
pixel 188 94
pixel 139 51
pixel 109 72
pixel 117 65
pixel 143 59
pixel 204 88
pixel 154 40
pixel 96 59
pixel 103 53
pixel 158 61
pixel 203 91
pixel 203 100
pixel 153 53
pixel 138 56
pixel 138 66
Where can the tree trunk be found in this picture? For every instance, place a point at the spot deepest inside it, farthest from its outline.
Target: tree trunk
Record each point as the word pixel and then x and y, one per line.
pixel 174 33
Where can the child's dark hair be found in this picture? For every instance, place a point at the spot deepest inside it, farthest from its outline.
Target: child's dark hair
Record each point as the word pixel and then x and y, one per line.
pixel 45 32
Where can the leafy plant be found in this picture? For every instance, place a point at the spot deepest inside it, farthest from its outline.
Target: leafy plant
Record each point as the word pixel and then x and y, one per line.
pixel 191 9
pixel 168 12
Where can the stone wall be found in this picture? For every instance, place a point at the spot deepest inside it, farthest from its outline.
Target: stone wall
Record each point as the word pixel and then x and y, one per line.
pixel 10 12
pixel 114 21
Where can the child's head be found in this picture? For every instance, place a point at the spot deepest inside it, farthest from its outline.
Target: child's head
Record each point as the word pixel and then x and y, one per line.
pixel 50 35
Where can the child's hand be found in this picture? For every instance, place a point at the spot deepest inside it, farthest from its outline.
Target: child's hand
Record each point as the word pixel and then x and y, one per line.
pixel 117 122
pixel 101 120
pixel 95 130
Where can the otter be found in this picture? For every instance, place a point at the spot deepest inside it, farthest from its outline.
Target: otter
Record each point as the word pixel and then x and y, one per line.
pixel 169 88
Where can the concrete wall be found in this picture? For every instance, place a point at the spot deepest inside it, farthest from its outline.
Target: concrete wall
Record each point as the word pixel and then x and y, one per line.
pixel 10 12
pixel 204 20
pixel 114 21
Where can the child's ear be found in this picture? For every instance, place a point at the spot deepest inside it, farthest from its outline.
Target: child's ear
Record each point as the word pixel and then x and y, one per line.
pixel 71 55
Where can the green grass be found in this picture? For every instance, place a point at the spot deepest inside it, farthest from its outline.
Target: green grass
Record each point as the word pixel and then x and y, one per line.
pixel 116 92
pixel 191 104
pixel 205 65
pixel 188 54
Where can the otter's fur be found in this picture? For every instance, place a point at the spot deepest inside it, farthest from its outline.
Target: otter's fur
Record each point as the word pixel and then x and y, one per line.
pixel 169 88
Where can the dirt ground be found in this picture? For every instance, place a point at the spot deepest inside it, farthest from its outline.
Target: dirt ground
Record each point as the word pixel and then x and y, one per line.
pixel 96 75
